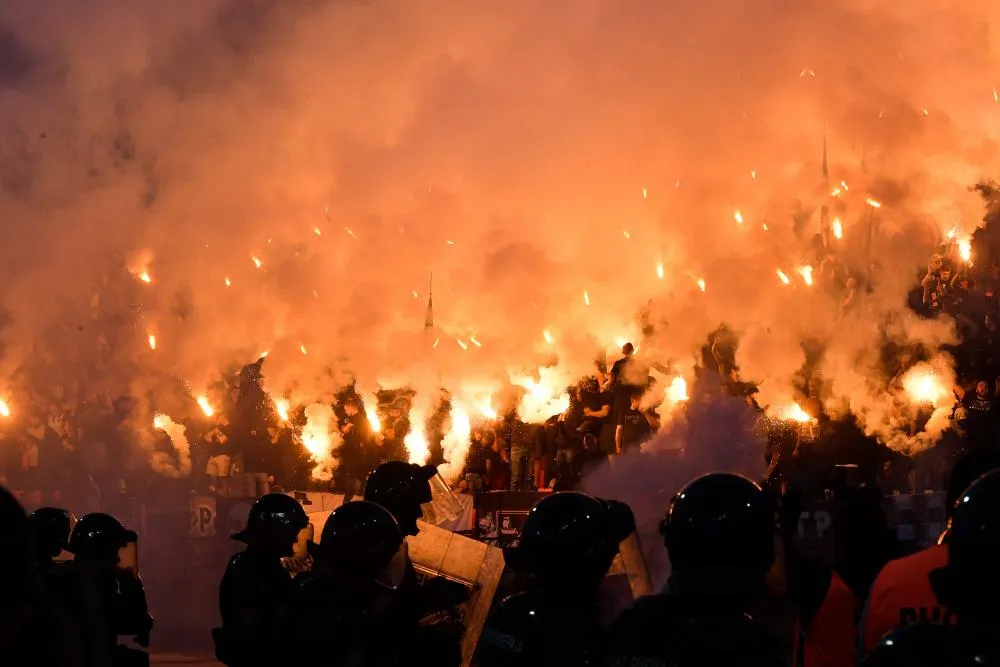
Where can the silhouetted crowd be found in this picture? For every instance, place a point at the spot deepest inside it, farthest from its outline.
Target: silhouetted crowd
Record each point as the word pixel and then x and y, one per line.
pixel 354 597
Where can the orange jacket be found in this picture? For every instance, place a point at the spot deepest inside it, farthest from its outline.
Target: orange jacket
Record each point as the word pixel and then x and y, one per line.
pixel 831 637
pixel 902 595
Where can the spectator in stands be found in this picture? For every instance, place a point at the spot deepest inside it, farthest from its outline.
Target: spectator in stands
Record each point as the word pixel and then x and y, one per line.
pixel 635 425
pixel 980 414
pixel 497 463
pixel 474 477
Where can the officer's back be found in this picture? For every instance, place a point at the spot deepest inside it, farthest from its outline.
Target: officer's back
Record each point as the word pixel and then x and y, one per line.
pixel 253 595
pixel 719 533
pixel 567 545
pixel 351 597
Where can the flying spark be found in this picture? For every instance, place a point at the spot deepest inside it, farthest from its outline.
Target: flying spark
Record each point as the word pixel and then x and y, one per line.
pixel 4 409
pixel 228 282
pixel 437 341
pixel 302 349
pixel 586 298
pixel 874 203
pixel 701 284
pixel 281 407
pixel 738 217
pixel 350 232
pixel 644 193
pixel 415 295
pixel 548 336
pixel 462 345
pixel 807 274
pixel 838 228
pixel 152 342
pixel 626 234
pixel 256 262
pixel 475 341
pixel 783 276
pixel 450 242
pixel 995 97
pixel 145 277
pixel 263 355
pixel 659 270
pixel 807 72
pixel 753 174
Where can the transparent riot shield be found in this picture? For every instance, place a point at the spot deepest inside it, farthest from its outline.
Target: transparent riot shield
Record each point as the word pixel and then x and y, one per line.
pixel 444 507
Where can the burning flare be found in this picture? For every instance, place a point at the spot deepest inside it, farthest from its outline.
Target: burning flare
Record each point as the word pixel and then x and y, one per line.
pixel 320 440
pixel 678 390
pixel 372 415
pixel 281 407
pixel 4 409
pixel 205 406
pixel 838 228
pixel 455 444
pixel 924 385
pixel 544 397
pixel 794 412
pixel 416 439
pixel 145 277
pixel 965 249
pixel 163 462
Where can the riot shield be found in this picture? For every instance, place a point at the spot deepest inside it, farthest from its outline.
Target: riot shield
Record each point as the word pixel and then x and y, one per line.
pixel 436 552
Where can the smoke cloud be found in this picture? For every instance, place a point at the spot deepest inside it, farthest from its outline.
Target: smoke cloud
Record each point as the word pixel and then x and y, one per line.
pixel 236 177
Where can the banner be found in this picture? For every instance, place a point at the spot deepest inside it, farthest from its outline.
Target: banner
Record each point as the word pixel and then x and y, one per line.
pixel 203 514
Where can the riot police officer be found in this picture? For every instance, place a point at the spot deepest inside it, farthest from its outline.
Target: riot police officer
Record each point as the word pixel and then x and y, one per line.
pixel 401 488
pixel 719 532
pixel 567 545
pixel 253 595
pixel 969 585
pixel 36 629
pixel 353 596
pixel 112 597
pixel 50 530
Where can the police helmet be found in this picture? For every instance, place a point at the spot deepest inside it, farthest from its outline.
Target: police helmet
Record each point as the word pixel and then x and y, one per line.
pixel 971 580
pixel 359 537
pixel 15 538
pixel 534 628
pixel 401 488
pixel 50 530
pixel 917 645
pixel 571 535
pixel 99 535
pixel 720 519
pixel 274 517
